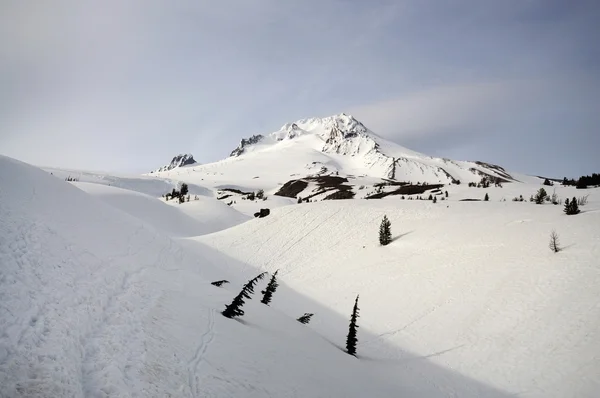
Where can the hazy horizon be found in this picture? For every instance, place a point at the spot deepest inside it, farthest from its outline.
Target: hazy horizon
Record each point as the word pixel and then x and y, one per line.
pixel 125 86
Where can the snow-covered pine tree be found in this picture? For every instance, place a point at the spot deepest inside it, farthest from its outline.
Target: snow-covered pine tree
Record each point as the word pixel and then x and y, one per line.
pixel 385 231
pixel 270 289
pixel 305 319
pixel 352 339
pixel 235 308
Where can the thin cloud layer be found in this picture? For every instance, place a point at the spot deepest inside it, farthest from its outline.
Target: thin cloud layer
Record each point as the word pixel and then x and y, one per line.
pixel 126 85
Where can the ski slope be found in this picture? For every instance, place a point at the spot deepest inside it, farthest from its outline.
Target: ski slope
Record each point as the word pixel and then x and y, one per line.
pixel 96 303
pixel 471 286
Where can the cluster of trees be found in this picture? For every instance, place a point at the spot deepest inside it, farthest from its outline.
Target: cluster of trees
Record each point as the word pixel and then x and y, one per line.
pixel 571 207
pixel 260 194
pixel 583 181
pixel 181 195
pixel 74 179
pixel 486 181
pixel 234 309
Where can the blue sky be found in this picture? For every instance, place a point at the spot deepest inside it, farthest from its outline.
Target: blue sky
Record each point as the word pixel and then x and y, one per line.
pixel 126 85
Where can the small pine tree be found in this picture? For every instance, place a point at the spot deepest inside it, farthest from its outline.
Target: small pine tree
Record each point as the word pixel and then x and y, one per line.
pixel 486 197
pixel 554 243
pixel 305 319
pixel 540 196
pixel 235 308
pixel 430 197
pixel 299 199
pixel 435 199
pixel 571 207
pixel 352 339
pixel 270 289
pixel 385 231
pixel 184 189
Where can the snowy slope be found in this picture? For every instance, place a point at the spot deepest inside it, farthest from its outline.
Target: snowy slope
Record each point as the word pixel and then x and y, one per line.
pixel 471 286
pixel 96 303
pixel 153 186
pixel 192 218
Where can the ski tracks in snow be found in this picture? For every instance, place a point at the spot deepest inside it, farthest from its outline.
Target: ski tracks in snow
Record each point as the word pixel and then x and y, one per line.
pixel 205 341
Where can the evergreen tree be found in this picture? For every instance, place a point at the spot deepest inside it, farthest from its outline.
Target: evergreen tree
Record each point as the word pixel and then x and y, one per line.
pixel 184 189
pixel 351 340
pixel 385 231
pixel 571 207
pixel 270 289
pixel 435 199
pixel 486 197
pixel 430 197
pixel 540 196
pixel 299 199
pixel 304 319
pixel 235 308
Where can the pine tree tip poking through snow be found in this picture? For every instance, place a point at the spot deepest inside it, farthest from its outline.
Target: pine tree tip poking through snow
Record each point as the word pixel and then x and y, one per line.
pixel 305 319
pixel 235 308
pixel 385 231
pixel 352 339
pixel 554 243
pixel 270 289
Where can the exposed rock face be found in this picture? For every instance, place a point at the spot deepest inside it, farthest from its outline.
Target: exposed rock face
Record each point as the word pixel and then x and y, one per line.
pixel 178 161
pixel 255 139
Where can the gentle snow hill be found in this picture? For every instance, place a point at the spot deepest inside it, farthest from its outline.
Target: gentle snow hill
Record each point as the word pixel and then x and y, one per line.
pixel 472 286
pixel 153 186
pixel 193 218
pixel 96 303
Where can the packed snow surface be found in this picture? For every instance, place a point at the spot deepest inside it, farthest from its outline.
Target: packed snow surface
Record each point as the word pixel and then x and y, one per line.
pixel 472 286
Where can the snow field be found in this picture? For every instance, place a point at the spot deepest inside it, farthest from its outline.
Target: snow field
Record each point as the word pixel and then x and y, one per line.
pixel 471 285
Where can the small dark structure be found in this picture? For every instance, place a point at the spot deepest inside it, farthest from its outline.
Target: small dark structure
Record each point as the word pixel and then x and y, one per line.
pixel 262 213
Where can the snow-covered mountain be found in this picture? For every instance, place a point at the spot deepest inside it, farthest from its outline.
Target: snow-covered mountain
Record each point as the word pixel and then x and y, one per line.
pixel 184 159
pixel 334 157
pixel 344 137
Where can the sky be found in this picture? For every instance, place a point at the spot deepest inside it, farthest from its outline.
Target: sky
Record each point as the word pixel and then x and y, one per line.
pixel 124 85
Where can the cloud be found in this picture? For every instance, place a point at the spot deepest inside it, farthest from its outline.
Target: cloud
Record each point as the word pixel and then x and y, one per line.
pixel 129 84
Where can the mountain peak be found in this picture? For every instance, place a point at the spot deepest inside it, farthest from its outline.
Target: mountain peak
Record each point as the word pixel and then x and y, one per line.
pixel 183 159
pixel 331 129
